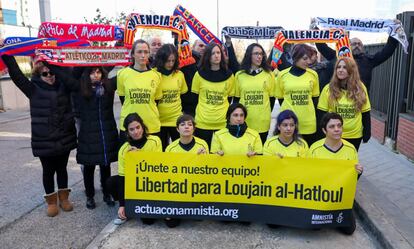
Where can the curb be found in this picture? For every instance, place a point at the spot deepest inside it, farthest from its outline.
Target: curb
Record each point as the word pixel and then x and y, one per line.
pixel 103 235
pixel 15 119
pixel 371 207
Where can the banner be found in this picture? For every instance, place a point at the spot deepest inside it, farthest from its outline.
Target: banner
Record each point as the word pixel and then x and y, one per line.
pixel 89 56
pixel 343 47
pixel 196 26
pixel 393 28
pixel 175 24
pixel 90 32
pixel 25 46
pixel 307 193
pixel 251 32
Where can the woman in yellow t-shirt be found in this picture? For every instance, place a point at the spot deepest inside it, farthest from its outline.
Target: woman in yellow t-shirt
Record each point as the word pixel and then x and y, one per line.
pixel 236 138
pixel 297 89
pixel 347 96
pixel 187 142
pixel 172 86
pixel 254 87
pixel 214 84
pixel 137 140
pixel 287 141
pixel 138 89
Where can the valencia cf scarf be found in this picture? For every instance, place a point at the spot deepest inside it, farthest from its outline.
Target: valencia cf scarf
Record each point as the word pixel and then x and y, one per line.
pixel 337 36
pixel 175 24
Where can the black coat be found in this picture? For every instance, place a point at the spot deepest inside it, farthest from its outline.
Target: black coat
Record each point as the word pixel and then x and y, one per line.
pixel 53 124
pixel 98 135
pixel 366 63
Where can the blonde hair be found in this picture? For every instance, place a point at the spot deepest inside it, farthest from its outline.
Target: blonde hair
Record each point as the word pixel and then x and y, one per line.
pixel 354 86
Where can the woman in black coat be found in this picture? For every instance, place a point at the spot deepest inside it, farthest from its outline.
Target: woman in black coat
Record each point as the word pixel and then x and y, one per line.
pixel 52 123
pixel 98 135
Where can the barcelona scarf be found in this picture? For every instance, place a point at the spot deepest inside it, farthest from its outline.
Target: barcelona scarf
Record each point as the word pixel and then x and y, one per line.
pixel 337 36
pixel 175 24
pixel 196 26
pixel 26 46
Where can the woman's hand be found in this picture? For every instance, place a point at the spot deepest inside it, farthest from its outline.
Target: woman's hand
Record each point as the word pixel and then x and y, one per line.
pixel 251 153
pixel 121 213
pixel 359 168
pixel 201 151
pixel 220 153
pixel 133 148
pixel 279 155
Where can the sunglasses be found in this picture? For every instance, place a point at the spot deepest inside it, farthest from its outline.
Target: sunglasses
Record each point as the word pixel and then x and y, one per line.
pixel 45 74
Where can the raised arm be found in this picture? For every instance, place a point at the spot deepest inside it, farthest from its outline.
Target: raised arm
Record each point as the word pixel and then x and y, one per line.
pixel 17 76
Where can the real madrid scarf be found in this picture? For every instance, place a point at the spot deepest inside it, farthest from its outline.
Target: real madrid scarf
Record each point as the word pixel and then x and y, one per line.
pixel 393 28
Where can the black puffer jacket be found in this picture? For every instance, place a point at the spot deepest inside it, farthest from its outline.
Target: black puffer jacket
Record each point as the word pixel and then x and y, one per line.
pixel 53 125
pixel 98 135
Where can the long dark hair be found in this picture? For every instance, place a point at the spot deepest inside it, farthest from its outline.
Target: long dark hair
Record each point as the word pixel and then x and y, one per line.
pixel 205 59
pixel 86 83
pixel 162 55
pixel 131 118
pixel 247 59
pixel 288 114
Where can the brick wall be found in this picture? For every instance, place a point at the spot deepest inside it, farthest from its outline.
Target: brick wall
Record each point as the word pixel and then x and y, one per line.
pixel 378 127
pixel 405 135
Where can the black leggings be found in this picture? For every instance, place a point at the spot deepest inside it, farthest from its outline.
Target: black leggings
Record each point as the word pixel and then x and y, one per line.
pixel 52 165
pixel 166 134
pixel 88 179
pixel 355 141
pixel 116 185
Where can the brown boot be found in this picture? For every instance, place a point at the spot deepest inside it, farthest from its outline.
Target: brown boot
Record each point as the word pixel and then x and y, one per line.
pixel 64 203
pixel 51 200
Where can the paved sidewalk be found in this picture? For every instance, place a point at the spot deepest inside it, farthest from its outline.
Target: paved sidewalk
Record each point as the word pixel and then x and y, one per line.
pixel 13 115
pixel 385 195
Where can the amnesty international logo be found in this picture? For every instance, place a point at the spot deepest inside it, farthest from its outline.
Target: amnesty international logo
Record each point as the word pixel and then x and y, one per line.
pixel 340 218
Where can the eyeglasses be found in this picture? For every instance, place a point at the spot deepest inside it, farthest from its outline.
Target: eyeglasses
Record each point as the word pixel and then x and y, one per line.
pixel 45 74
pixel 258 53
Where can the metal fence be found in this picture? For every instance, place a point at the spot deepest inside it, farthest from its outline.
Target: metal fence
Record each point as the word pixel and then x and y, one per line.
pixel 392 86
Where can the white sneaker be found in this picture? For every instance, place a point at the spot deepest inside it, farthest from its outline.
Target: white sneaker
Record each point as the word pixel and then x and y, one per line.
pixel 118 221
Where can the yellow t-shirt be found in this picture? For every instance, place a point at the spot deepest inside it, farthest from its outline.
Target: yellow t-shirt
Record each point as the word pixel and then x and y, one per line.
pixel 212 102
pixel 140 90
pixel 176 148
pixel 230 145
pixel 153 144
pixel 297 93
pixel 352 127
pixel 346 152
pixel 254 93
pixel 169 106
pixel 273 146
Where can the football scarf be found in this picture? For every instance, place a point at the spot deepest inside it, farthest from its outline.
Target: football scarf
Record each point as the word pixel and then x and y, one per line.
pixel 175 24
pixel 394 29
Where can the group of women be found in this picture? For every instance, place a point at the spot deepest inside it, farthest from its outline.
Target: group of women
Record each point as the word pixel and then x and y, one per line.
pixel 151 113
